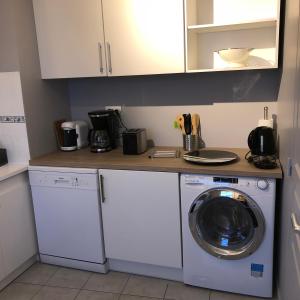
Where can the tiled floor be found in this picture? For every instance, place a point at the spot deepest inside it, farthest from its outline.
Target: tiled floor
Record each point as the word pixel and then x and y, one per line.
pixel 45 282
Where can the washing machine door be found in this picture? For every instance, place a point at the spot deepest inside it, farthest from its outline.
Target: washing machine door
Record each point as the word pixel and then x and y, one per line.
pixel 226 223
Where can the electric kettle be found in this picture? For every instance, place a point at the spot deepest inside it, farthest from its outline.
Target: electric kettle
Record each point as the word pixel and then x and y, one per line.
pixel 262 144
pixel 261 141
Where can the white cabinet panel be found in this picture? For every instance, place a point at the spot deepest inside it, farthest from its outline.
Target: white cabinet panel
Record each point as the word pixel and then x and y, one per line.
pixel 17 232
pixel 70 38
pixel 144 36
pixel 2 274
pixel 141 217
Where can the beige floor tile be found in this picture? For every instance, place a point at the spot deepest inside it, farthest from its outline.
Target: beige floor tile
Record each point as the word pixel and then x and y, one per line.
pixel 92 295
pixel 146 287
pixel 69 278
pixel 180 291
pixel 56 293
pixel 37 274
pixel 19 291
pixel 129 297
pixel 229 296
pixel 113 282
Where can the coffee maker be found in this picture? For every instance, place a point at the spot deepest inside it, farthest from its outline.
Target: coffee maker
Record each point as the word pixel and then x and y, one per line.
pixel 105 130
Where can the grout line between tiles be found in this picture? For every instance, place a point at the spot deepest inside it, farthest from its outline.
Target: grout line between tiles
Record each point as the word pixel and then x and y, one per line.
pixel 37 292
pixel 164 297
pixel 89 277
pixel 123 289
pixel 58 268
pixel 77 294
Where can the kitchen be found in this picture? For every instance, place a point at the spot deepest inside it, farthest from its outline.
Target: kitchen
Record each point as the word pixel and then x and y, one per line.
pixel 229 104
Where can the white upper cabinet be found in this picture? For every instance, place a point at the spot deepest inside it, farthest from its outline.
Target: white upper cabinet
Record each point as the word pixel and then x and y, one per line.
pixel 70 38
pixel 213 25
pixel 144 36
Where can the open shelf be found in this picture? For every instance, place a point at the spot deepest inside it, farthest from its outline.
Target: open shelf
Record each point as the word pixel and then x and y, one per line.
pixel 235 26
pixel 212 25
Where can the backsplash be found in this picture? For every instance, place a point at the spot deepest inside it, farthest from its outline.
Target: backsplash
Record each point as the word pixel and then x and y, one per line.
pixel 222 124
pixel 13 132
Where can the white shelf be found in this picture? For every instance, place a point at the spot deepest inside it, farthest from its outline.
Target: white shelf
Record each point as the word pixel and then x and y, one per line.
pixel 206 28
pixel 232 69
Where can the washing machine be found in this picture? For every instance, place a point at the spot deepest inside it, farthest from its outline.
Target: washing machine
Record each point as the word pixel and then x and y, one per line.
pixel 228 231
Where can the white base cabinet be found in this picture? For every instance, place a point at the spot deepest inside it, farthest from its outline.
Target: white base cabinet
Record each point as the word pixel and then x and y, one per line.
pixel 141 217
pixel 17 230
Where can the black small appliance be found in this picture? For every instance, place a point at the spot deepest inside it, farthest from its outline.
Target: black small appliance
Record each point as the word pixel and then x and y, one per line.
pixel 261 142
pixel 104 134
pixel 3 157
pixel 134 141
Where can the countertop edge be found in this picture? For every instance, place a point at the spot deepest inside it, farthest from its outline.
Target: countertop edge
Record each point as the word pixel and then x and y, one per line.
pixel 9 170
pixel 116 160
pixel 186 170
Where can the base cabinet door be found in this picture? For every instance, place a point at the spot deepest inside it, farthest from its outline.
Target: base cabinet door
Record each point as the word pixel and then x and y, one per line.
pixel 141 217
pixel 17 231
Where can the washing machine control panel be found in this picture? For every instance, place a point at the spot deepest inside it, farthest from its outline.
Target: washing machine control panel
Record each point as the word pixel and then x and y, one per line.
pixel 255 184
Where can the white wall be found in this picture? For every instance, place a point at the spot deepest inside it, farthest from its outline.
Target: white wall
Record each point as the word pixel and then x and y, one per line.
pixel 223 124
pixel 13 135
pixel 44 101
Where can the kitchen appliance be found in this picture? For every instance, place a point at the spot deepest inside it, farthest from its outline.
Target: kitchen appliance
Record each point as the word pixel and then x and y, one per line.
pixel 210 157
pixel 68 217
pixel 3 157
pixel 134 141
pixel 74 135
pixel 228 230
pixel 104 134
pixel 261 142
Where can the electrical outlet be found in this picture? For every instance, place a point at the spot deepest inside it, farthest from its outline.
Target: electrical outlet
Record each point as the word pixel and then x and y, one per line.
pixel 119 108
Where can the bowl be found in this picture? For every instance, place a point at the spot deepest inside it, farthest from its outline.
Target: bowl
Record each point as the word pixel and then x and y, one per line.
pixel 237 56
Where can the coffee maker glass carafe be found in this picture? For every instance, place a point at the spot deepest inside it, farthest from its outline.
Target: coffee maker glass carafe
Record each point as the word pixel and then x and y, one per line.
pixel 102 137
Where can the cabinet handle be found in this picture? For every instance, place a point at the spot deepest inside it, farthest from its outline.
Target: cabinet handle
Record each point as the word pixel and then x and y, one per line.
pixel 100 57
pixel 101 189
pixel 295 224
pixel 109 58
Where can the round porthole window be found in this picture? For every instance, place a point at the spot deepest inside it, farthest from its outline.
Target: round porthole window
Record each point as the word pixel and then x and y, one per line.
pixel 226 223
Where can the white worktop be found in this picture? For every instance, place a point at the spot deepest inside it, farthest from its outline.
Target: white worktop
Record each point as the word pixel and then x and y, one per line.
pixel 10 170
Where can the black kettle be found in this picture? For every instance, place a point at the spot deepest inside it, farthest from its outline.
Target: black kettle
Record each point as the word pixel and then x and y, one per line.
pixel 261 141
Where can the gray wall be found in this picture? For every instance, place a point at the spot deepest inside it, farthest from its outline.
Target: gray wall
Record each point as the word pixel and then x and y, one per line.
pixel 177 89
pixel 44 101
pixel 288 101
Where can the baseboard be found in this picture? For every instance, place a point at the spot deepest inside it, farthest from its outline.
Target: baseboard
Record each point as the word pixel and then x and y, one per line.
pixel 12 276
pixel 76 264
pixel 146 269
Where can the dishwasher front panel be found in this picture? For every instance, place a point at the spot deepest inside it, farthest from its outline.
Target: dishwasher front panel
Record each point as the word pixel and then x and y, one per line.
pixel 68 217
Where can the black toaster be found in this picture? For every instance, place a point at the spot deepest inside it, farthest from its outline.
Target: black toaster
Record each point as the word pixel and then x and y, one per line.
pixel 3 157
pixel 134 141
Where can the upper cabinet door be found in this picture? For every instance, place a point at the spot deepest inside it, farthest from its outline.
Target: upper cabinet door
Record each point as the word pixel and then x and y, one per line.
pixel 144 36
pixel 70 38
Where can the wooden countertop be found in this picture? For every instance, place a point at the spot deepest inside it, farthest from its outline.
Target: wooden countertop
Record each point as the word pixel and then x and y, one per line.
pixel 116 160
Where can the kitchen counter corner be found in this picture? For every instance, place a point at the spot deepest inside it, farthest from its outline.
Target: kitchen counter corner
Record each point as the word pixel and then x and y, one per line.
pixel 11 170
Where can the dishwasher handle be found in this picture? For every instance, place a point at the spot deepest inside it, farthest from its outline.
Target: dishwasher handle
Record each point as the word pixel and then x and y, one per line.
pixel 102 197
